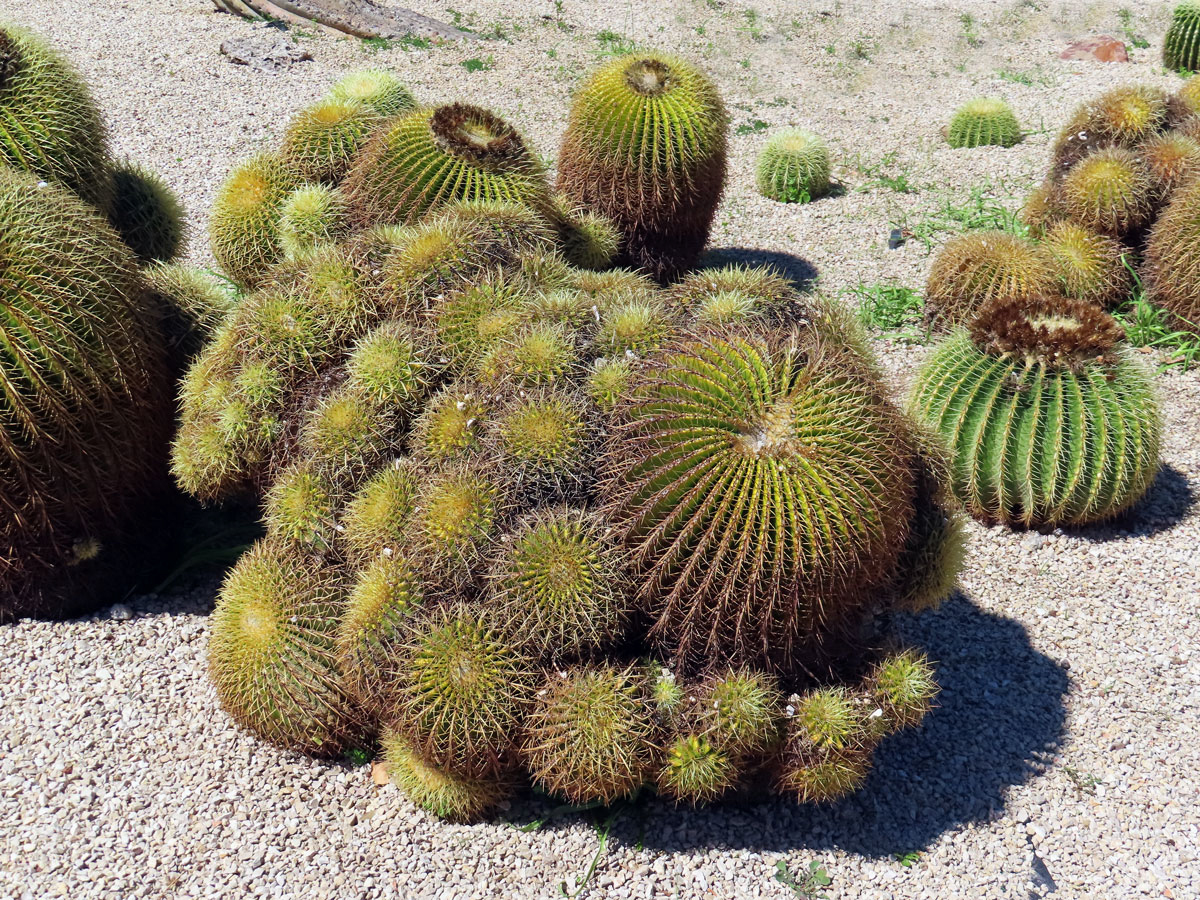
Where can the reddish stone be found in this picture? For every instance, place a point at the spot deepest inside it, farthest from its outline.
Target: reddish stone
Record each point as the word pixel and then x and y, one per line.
pixel 1104 49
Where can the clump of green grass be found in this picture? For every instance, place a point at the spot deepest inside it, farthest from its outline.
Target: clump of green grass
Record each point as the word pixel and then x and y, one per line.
pixel 614 44
pixel 981 210
pixel 1150 326
pixel 892 310
pixel 475 64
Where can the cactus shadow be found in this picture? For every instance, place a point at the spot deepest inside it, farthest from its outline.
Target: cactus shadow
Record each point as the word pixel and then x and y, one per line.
pixel 1166 504
pixel 802 272
pixel 1000 717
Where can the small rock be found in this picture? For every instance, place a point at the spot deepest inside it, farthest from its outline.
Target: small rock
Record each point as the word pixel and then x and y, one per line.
pixel 268 52
pixel 120 612
pixel 1102 49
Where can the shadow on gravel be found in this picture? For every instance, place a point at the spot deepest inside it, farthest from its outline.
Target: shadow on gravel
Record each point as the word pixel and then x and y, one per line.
pixel 798 269
pixel 999 718
pixel 1165 505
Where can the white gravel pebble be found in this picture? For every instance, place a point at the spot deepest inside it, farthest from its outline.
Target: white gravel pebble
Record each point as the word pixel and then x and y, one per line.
pixel 1062 761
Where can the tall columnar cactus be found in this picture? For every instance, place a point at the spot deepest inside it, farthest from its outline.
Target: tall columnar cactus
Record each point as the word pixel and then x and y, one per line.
pixel 1181 46
pixel 737 547
pixel 983 122
pixel 1173 258
pixel 645 146
pixel 49 125
pixel 793 167
pixel 1050 419
pixel 980 266
pixel 86 402
pixel 432 156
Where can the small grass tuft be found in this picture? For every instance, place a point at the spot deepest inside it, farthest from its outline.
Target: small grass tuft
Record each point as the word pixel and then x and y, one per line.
pixel 891 309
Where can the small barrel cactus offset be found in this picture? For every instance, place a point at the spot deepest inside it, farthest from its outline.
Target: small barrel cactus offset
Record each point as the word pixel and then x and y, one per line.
pixel 1172 259
pixel 589 240
pixel 244 223
pixel 445 794
pixel 645 146
pixel 146 213
pixel 377 89
pixel 984 122
pixel 1041 209
pixel 1089 266
pixel 980 266
pixel 1109 190
pixel 1050 418
pixel 793 167
pixel 86 406
pixel 1187 97
pixel 1118 118
pixel 432 156
pixel 312 215
pixel 1172 158
pixel 49 125
pixel 1181 46
pixel 191 307
pixel 323 141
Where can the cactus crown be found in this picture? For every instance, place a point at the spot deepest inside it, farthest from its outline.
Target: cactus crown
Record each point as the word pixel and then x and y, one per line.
pixel 476 134
pixel 1059 331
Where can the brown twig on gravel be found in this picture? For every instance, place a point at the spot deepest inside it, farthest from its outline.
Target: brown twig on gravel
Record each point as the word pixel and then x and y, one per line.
pixel 362 18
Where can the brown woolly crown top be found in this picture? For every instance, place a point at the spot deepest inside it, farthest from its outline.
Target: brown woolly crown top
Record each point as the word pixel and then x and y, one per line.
pixel 648 77
pixel 476 134
pixel 1059 331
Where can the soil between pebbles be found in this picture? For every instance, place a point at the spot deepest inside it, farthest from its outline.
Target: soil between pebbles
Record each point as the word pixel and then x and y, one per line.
pixel 1062 760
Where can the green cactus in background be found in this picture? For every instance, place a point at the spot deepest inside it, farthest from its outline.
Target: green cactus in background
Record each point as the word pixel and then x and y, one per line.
pixel 271 652
pixel 430 157
pixel 980 266
pixel 377 89
pixel 1172 259
pixel 793 167
pixel 146 213
pixel 243 225
pixel 445 794
pixel 1050 419
pixel 590 734
pixel 983 122
pixel 645 146
pixel 701 475
pixel 323 140
pixel 1181 46
pixel 312 215
pixel 86 406
pixel 49 125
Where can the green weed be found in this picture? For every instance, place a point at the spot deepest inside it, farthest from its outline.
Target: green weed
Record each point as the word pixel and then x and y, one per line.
pixel 809 885
pixel 475 64
pixel 1150 326
pixel 981 210
pixel 891 309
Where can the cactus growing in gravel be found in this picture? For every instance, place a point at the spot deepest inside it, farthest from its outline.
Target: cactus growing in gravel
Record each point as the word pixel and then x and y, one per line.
pixel 984 122
pixel 1172 158
pixel 1172 259
pixel 793 167
pixel 1181 46
pixel 323 141
pixel 244 222
pixel 1110 191
pixel 1089 266
pixel 146 213
pixel 447 795
pixel 902 684
pixel 980 266
pixel 191 308
pixel 271 652
pixel 86 405
pixel 700 476
pixel 1050 419
pixel 590 734
pixel 376 89
pixel 645 146
pixel 312 215
pixel 696 771
pixel 432 156
pixel 1119 118
pixel 49 125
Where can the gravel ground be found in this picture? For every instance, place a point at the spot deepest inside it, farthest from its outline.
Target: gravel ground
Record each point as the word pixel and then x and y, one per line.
pixel 1062 760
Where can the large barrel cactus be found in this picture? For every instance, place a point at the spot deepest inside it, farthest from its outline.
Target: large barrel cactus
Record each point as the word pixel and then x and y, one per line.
pixel 1049 417
pixel 1173 258
pixel 645 146
pixel 86 401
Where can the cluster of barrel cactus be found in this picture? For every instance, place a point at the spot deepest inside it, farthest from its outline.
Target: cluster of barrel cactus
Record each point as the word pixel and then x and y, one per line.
pixel 88 346
pixel 534 521
pixel 1049 416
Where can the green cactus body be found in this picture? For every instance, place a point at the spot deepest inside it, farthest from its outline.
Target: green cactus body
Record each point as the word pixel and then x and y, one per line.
pixel 972 269
pixel 695 771
pixel 244 223
pixel 1181 46
pixel 49 125
pixel 714 297
pixel 760 488
pixel 146 213
pixel 271 652
pixel 443 793
pixel 984 122
pixel 430 157
pixel 1089 266
pixel 588 239
pixel 312 215
pixel 376 517
pixel 1057 425
pixel 377 89
pixel 645 146
pixel 1172 159
pixel 1172 258
pixel 793 167
pixel 191 307
pixel 300 508
pixel 1110 191
pixel 1117 119
pixel 323 141
pixel 85 406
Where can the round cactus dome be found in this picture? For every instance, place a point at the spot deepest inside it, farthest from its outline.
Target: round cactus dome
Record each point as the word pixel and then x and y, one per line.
pixel 793 167
pixel 983 122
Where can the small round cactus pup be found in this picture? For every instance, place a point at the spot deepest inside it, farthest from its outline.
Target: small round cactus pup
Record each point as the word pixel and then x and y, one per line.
pixel 323 140
pixel 191 307
pixel 312 215
pixel 735 293
pixel 608 381
pixel 452 425
pixel 1111 191
pixel 588 240
pixel 244 223
pixel 300 508
pixel 146 213
pixel 1041 209
pixel 1089 266
pixel 590 735
pixel 543 443
pixel 376 518
pixel 636 324
pixel 904 687
pixel 739 710
pixel 695 771
pixel 1172 159
pixel 377 89
pixel 438 791
pixel 793 167
pixel 1117 119
pixel 983 122
pixel 458 510
pixel 821 776
pixel 535 354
